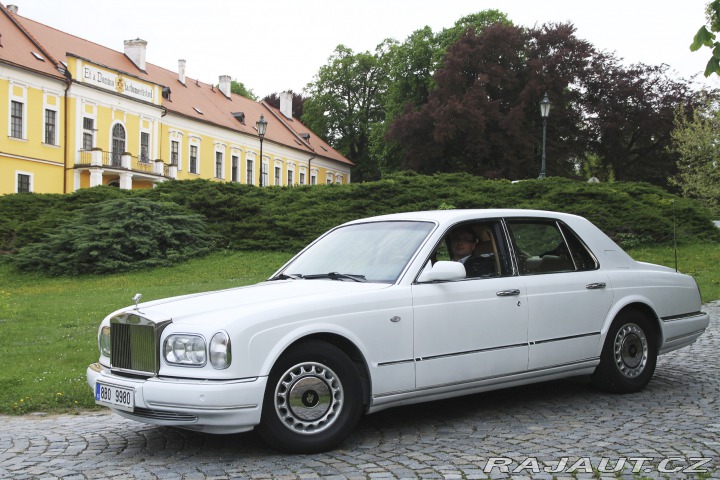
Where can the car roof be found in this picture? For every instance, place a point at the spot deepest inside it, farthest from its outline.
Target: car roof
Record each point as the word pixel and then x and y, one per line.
pixel 457 215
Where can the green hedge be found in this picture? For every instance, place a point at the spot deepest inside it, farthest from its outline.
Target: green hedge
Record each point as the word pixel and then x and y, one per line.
pixel 245 217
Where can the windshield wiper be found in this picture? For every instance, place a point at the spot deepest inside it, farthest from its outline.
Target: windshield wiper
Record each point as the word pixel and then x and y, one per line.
pixel 288 276
pixel 336 276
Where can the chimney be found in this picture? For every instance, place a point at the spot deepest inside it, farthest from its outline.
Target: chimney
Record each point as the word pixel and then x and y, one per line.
pixel 225 85
pixel 286 104
pixel 181 71
pixel 12 9
pixel 135 51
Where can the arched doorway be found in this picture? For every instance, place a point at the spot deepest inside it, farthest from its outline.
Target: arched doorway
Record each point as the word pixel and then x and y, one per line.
pixel 118 144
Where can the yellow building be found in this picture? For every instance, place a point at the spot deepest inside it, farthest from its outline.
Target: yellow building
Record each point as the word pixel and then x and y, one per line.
pixel 79 115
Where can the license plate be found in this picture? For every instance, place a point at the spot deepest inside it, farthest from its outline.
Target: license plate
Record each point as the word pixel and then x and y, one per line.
pixel 115 397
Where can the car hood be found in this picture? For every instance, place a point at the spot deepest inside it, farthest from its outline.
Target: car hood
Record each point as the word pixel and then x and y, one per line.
pixel 259 300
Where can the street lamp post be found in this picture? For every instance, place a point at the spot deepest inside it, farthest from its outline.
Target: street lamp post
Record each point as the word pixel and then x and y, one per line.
pixel 261 126
pixel 544 113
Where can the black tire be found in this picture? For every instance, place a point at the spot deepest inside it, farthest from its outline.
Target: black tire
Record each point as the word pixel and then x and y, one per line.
pixel 313 399
pixel 629 356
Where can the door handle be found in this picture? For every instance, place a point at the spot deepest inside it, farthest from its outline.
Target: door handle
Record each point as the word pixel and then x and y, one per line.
pixel 508 293
pixel 595 286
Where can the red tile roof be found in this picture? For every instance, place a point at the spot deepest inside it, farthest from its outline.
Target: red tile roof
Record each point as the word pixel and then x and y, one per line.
pixel 188 100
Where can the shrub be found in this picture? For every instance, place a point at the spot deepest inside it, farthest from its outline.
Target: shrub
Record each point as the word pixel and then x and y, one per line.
pixel 118 235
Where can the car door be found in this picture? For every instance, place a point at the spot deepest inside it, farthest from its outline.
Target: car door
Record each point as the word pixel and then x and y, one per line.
pixel 568 296
pixel 472 329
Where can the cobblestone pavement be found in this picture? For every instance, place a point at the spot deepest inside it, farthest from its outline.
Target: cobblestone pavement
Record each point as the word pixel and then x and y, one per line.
pixel 661 432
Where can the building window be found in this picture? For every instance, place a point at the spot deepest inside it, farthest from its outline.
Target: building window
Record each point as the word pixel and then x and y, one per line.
pixel 250 173
pixel 290 178
pixel 302 178
pixel 264 172
pixel 218 165
pixel 16 119
pixel 118 144
pixel 24 183
pixel 193 159
pixel 144 147
pixel 278 180
pixel 313 179
pixel 88 133
pixel 235 169
pixel 50 117
pixel 174 152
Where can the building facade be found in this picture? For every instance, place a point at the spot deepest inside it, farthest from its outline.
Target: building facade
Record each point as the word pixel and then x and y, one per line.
pixel 78 115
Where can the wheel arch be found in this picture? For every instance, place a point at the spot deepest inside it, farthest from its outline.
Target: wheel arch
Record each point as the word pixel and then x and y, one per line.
pixel 641 306
pixel 348 348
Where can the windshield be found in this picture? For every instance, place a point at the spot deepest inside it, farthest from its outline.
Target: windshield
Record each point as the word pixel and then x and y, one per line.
pixel 372 252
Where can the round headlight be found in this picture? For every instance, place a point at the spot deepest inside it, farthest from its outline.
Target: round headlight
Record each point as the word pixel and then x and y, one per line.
pixel 220 356
pixel 104 341
pixel 185 350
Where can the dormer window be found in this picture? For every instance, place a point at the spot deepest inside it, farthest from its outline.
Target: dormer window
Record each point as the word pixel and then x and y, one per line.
pixel 38 56
pixel 198 110
pixel 239 116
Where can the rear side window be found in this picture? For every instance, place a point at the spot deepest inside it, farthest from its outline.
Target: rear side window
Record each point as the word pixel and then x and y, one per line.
pixel 548 246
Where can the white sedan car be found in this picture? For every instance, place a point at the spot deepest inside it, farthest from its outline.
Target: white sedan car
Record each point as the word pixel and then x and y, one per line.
pixel 393 310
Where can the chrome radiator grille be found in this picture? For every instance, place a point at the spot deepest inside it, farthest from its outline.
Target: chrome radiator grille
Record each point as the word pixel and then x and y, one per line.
pixel 134 343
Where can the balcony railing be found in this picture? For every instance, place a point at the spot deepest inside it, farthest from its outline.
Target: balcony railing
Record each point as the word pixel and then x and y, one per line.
pixel 125 161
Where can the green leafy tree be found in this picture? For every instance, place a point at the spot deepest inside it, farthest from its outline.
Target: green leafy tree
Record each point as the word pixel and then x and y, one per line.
pixel 706 38
pixel 239 88
pixel 118 235
pixel 411 68
pixel 345 100
pixel 483 117
pixel 695 139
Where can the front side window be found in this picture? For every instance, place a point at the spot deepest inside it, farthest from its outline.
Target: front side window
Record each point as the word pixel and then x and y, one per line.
pixel 277 176
pixel 547 246
pixel 480 246
pixel 380 252
pixel 50 124
pixel 290 178
pixel 16 119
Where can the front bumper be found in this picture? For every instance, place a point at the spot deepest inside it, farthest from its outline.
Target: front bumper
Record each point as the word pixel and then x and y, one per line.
pixel 230 406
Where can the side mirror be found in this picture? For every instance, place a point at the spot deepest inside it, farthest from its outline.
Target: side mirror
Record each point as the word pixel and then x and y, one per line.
pixel 442 272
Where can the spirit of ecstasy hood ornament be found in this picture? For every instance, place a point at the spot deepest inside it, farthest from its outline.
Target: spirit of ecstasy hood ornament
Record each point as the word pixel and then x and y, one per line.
pixel 136 299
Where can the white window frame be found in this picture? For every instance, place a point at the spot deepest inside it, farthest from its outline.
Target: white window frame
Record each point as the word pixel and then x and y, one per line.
pixel 17 178
pixel 250 170
pixel 221 150
pixel 194 141
pixel 22 99
pixel 176 136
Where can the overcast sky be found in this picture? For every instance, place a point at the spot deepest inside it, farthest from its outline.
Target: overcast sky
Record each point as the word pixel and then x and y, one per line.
pixel 276 45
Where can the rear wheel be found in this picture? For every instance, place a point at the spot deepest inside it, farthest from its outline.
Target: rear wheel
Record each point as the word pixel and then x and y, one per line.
pixel 312 399
pixel 628 359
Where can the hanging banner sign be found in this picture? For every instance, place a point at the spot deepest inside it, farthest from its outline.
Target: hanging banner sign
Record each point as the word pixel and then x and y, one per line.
pixel 110 80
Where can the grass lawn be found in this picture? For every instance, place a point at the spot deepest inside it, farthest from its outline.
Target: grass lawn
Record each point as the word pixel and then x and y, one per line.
pixel 49 325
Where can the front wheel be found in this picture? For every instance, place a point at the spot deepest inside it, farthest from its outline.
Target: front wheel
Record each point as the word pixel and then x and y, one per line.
pixel 628 358
pixel 312 399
